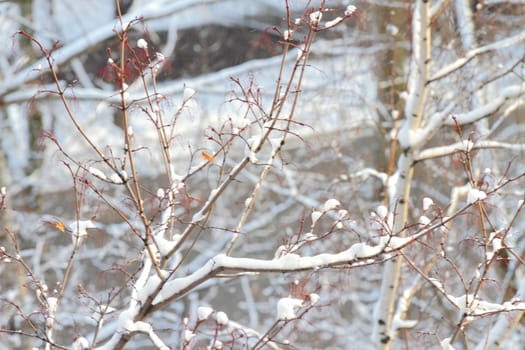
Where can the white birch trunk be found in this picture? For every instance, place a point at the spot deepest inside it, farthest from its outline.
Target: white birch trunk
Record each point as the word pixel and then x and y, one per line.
pixel 383 334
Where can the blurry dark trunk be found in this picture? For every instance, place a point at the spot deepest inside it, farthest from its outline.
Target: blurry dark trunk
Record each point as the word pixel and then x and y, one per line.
pixel 393 24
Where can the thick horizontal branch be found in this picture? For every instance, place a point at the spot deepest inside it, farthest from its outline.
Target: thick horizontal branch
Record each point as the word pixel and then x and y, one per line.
pixel 359 254
pixel 451 68
pixel 443 151
pixel 486 110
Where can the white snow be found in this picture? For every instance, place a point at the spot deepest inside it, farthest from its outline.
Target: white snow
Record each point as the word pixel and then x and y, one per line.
pixel 393 242
pixel 488 256
pixel 215 345
pixel 382 211
pixel 79 227
pixel 78 230
pixel 331 204
pixel 333 22
pixel 222 318
pixel 97 173
pixel 142 44
pixel 315 17
pixel 52 303
pixel 398 323
pixel 106 309
pixel 165 245
pixel 117 179
pixel 125 319
pixel 474 307
pixel 290 260
pixel 286 308
pixel 513 305
pixel 395 114
pixel 315 216
pixel 314 298
pixel 361 250
pixel 203 312
pixel 475 195
pixel 392 29
pixel 146 328
pixel 497 243
pixel 391 184
pixel 424 220
pixel 409 138
pixel 350 9
pixel 151 285
pixel 427 203
pixel 188 335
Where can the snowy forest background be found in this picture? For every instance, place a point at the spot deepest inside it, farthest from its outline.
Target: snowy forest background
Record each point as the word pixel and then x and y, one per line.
pixel 271 174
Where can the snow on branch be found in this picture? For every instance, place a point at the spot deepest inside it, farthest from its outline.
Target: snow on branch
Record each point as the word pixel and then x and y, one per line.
pixel 442 151
pixel 359 254
pixel 484 111
pixel 474 307
pixel 445 71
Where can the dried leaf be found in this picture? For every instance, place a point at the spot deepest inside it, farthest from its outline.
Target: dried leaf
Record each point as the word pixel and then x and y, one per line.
pixel 208 157
pixel 60 226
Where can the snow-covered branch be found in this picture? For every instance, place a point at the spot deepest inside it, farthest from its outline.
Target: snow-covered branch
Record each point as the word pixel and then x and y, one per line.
pixel 442 151
pixel 510 92
pixel 358 254
pixel 453 67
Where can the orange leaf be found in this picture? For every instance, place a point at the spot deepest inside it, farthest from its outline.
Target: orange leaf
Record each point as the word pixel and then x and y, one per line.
pixel 207 157
pixel 60 226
